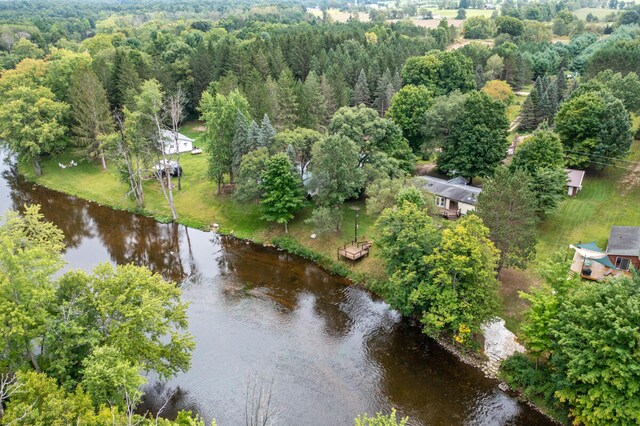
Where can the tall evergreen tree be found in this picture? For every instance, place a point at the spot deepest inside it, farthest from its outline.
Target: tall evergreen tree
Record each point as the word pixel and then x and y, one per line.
pixel 507 206
pixel 90 113
pixel 528 115
pixel 519 76
pixel 267 133
pixel 125 80
pixel 561 84
pixel 361 93
pixel 479 76
pixel 330 100
pixel 241 143
pixel 384 93
pixel 312 112
pixel 254 135
pixel 287 104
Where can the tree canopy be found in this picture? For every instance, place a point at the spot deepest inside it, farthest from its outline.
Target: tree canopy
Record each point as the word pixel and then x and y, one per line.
pixel 477 141
pixel 440 72
pixel 595 128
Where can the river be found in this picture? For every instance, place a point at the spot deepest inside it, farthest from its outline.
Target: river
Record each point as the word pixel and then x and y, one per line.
pixel 264 319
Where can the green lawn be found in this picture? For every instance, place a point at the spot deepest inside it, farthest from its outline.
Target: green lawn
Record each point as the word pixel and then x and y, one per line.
pixel 192 128
pixel 513 110
pixel 606 199
pixel 597 12
pixel 199 205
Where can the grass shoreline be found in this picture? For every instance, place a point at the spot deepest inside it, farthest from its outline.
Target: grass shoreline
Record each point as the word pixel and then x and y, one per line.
pixel 268 237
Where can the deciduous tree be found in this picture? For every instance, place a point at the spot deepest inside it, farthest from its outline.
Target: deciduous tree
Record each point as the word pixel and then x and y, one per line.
pixel 282 193
pixel 408 108
pixel 31 252
pixel 31 124
pixel 461 291
pixel 595 352
pixel 336 175
pixel 220 113
pixel 441 72
pixel 595 128
pixel 478 140
pixel 542 157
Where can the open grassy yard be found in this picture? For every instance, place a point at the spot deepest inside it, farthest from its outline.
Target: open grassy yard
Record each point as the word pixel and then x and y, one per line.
pixel 609 197
pixel 199 205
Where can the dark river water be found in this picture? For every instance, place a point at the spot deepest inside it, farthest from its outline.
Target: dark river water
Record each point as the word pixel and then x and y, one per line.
pixel 262 318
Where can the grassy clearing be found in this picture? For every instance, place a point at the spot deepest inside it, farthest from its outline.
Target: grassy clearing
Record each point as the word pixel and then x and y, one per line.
pixel 596 11
pixel 513 110
pixel 192 128
pixel 452 13
pixel 338 16
pixel 199 205
pixel 607 199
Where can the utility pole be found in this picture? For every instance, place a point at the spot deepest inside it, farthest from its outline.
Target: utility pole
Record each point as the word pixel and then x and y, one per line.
pixel 355 228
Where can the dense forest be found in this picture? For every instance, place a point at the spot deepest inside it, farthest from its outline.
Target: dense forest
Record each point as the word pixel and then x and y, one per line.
pixel 297 110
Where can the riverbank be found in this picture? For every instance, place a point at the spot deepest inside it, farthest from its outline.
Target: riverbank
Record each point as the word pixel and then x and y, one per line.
pixel 88 181
pixel 199 206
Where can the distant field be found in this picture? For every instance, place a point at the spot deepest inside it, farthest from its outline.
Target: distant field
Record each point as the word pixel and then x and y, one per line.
pixel 599 13
pixel 430 23
pixel 451 13
pixel 338 16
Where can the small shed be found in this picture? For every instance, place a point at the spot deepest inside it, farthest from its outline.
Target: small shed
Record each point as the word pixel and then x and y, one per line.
pixel 574 181
pixel 185 144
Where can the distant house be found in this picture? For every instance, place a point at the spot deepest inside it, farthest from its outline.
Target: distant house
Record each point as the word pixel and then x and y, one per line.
pixel 574 181
pixel 623 248
pixel 453 197
pixel 185 144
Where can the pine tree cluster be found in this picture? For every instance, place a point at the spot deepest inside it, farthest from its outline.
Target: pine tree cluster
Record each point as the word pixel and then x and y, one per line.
pixel 250 136
pixel 544 100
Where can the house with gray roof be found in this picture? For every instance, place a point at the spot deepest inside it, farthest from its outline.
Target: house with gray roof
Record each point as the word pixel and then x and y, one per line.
pixel 453 197
pixel 623 247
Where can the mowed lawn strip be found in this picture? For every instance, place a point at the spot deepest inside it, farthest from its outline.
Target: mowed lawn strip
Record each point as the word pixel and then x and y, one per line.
pixel 609 197
pixel 199 206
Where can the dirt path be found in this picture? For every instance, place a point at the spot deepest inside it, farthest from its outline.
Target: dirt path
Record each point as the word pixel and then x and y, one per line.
pixel 630 180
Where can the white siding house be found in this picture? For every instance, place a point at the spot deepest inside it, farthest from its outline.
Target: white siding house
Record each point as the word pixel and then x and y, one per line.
pixel 454 197
pixel 185 144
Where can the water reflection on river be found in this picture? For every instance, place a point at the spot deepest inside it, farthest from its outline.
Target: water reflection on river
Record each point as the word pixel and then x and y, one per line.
pixel 258 315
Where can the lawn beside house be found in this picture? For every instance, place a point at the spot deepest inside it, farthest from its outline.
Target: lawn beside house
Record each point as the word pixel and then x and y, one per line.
pixel 199 206
pixel 608 197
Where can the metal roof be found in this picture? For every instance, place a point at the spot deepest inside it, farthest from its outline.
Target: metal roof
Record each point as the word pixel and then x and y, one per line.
pixel 453 189
pixel 624 241
pixel 575 177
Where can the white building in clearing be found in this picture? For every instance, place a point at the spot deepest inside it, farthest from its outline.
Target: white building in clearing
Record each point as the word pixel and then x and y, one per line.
pixel 185 144
pixel 453 197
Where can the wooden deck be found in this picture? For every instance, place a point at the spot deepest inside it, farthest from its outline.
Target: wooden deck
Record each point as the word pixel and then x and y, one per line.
pixel 592 270
pixel 354 250
pixel 450 213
